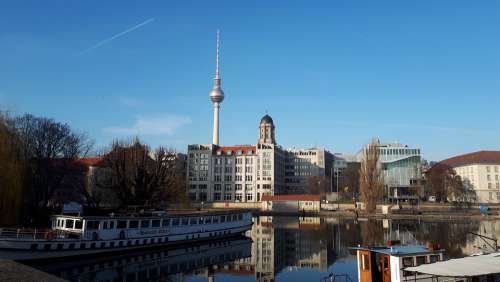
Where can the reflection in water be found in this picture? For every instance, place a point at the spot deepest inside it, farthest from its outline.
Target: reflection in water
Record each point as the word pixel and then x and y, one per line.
pixel 151 265
pixel 280 249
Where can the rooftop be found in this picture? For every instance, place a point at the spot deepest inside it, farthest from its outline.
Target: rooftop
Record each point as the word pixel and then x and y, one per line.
pixel 243 149
pixel 397 250
pixel 463 267
pixel 480 157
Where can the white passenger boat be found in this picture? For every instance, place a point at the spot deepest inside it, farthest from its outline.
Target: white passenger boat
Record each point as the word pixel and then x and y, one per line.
pixel 82 235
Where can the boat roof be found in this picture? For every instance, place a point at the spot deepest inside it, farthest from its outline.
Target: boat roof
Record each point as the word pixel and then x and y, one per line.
pixel 472 266
pixel 399 251
pixel 158 214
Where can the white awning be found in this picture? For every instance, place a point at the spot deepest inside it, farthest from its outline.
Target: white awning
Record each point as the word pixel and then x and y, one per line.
pixel 463 267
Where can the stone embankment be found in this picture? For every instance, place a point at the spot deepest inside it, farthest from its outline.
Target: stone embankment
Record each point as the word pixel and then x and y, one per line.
pixel 14 271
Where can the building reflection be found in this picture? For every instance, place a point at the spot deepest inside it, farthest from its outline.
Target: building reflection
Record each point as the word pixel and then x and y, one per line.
pixel 293 243
pixel 275 245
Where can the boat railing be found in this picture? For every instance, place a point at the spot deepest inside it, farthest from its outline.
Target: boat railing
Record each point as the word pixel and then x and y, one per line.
pixel 24 233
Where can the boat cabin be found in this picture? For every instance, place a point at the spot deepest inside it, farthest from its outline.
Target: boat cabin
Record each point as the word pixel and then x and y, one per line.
pixel 386 264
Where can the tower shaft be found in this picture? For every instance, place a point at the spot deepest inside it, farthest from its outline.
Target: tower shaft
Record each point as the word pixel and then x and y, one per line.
pixel 215 139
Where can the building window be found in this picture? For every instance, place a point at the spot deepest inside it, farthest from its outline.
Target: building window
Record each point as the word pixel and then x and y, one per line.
pixel 487 169
pixel 203 186
pixel 248 178
pixel 489 185
pixel 217 197
pixel 488 177
pixel 238 197
pixel 228 178
pixel 237 187
pixel 227 197
pixel 498 185
pixel 249 197
pixel 227 187
pixel 217 187
pixel 248 187
pixel 217 178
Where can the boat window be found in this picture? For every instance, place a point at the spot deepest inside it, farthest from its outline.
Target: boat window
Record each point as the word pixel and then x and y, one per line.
pixel 240 217
pixel 133 224
pixel 69 223
pixel 185 221
pixel 92 224
pixel 408 261
pixel 434 258
pixel 420 260
pixel 155 223
pixel 365 262
pixel 121 224
pixel 104 225
pixel 200 220
pixel 175 221
pixel 165 222
pixel 208 220
pixel 145 223
pixel 235 217
pixel 111 224
pixel 78 224
pixel 193 221
pixel 216 219
pixel 223 218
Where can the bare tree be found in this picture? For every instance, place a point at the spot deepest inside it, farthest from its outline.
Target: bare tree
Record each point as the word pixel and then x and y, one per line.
pixel 444 183
pixel 318 184
pixel 370 177
pixel 142 177
pixel 47 148
pixel 349 180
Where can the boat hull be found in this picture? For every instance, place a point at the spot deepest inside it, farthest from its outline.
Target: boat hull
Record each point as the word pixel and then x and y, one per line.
pixel 22 250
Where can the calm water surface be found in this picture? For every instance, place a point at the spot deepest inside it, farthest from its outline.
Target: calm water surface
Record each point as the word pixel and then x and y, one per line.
pixel 276 249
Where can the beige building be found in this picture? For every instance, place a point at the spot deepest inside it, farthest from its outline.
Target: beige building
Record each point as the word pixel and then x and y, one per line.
pixel 482 170
pixel 245 173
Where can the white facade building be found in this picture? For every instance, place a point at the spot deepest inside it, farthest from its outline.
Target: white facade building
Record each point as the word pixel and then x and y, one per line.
pixel 245 173
pixel 482 170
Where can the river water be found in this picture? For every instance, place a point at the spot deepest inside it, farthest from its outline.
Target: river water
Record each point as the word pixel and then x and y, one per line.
pixel 277 249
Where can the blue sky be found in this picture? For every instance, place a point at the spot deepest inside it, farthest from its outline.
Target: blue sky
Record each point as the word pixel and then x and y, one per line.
pixel 331 73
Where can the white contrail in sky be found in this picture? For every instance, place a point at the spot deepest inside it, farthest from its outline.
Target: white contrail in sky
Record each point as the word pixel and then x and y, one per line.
pixel 106 41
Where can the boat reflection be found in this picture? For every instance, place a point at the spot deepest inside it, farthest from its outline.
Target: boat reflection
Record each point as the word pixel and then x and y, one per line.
pixel 280 249
pixel 170 264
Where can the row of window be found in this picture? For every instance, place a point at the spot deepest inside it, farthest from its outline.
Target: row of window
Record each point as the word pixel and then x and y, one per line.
pixel 155 223
pixel 228 197
pixel 229 187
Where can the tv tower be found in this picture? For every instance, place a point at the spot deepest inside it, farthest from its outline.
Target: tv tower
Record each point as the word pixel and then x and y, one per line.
pixel 217 95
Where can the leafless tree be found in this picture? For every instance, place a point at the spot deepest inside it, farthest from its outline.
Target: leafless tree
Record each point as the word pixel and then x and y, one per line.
pixel 371 177
pixel 318 184
pixel 47 149
pixel 142 177
pixel 349 181
pixel 444 183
